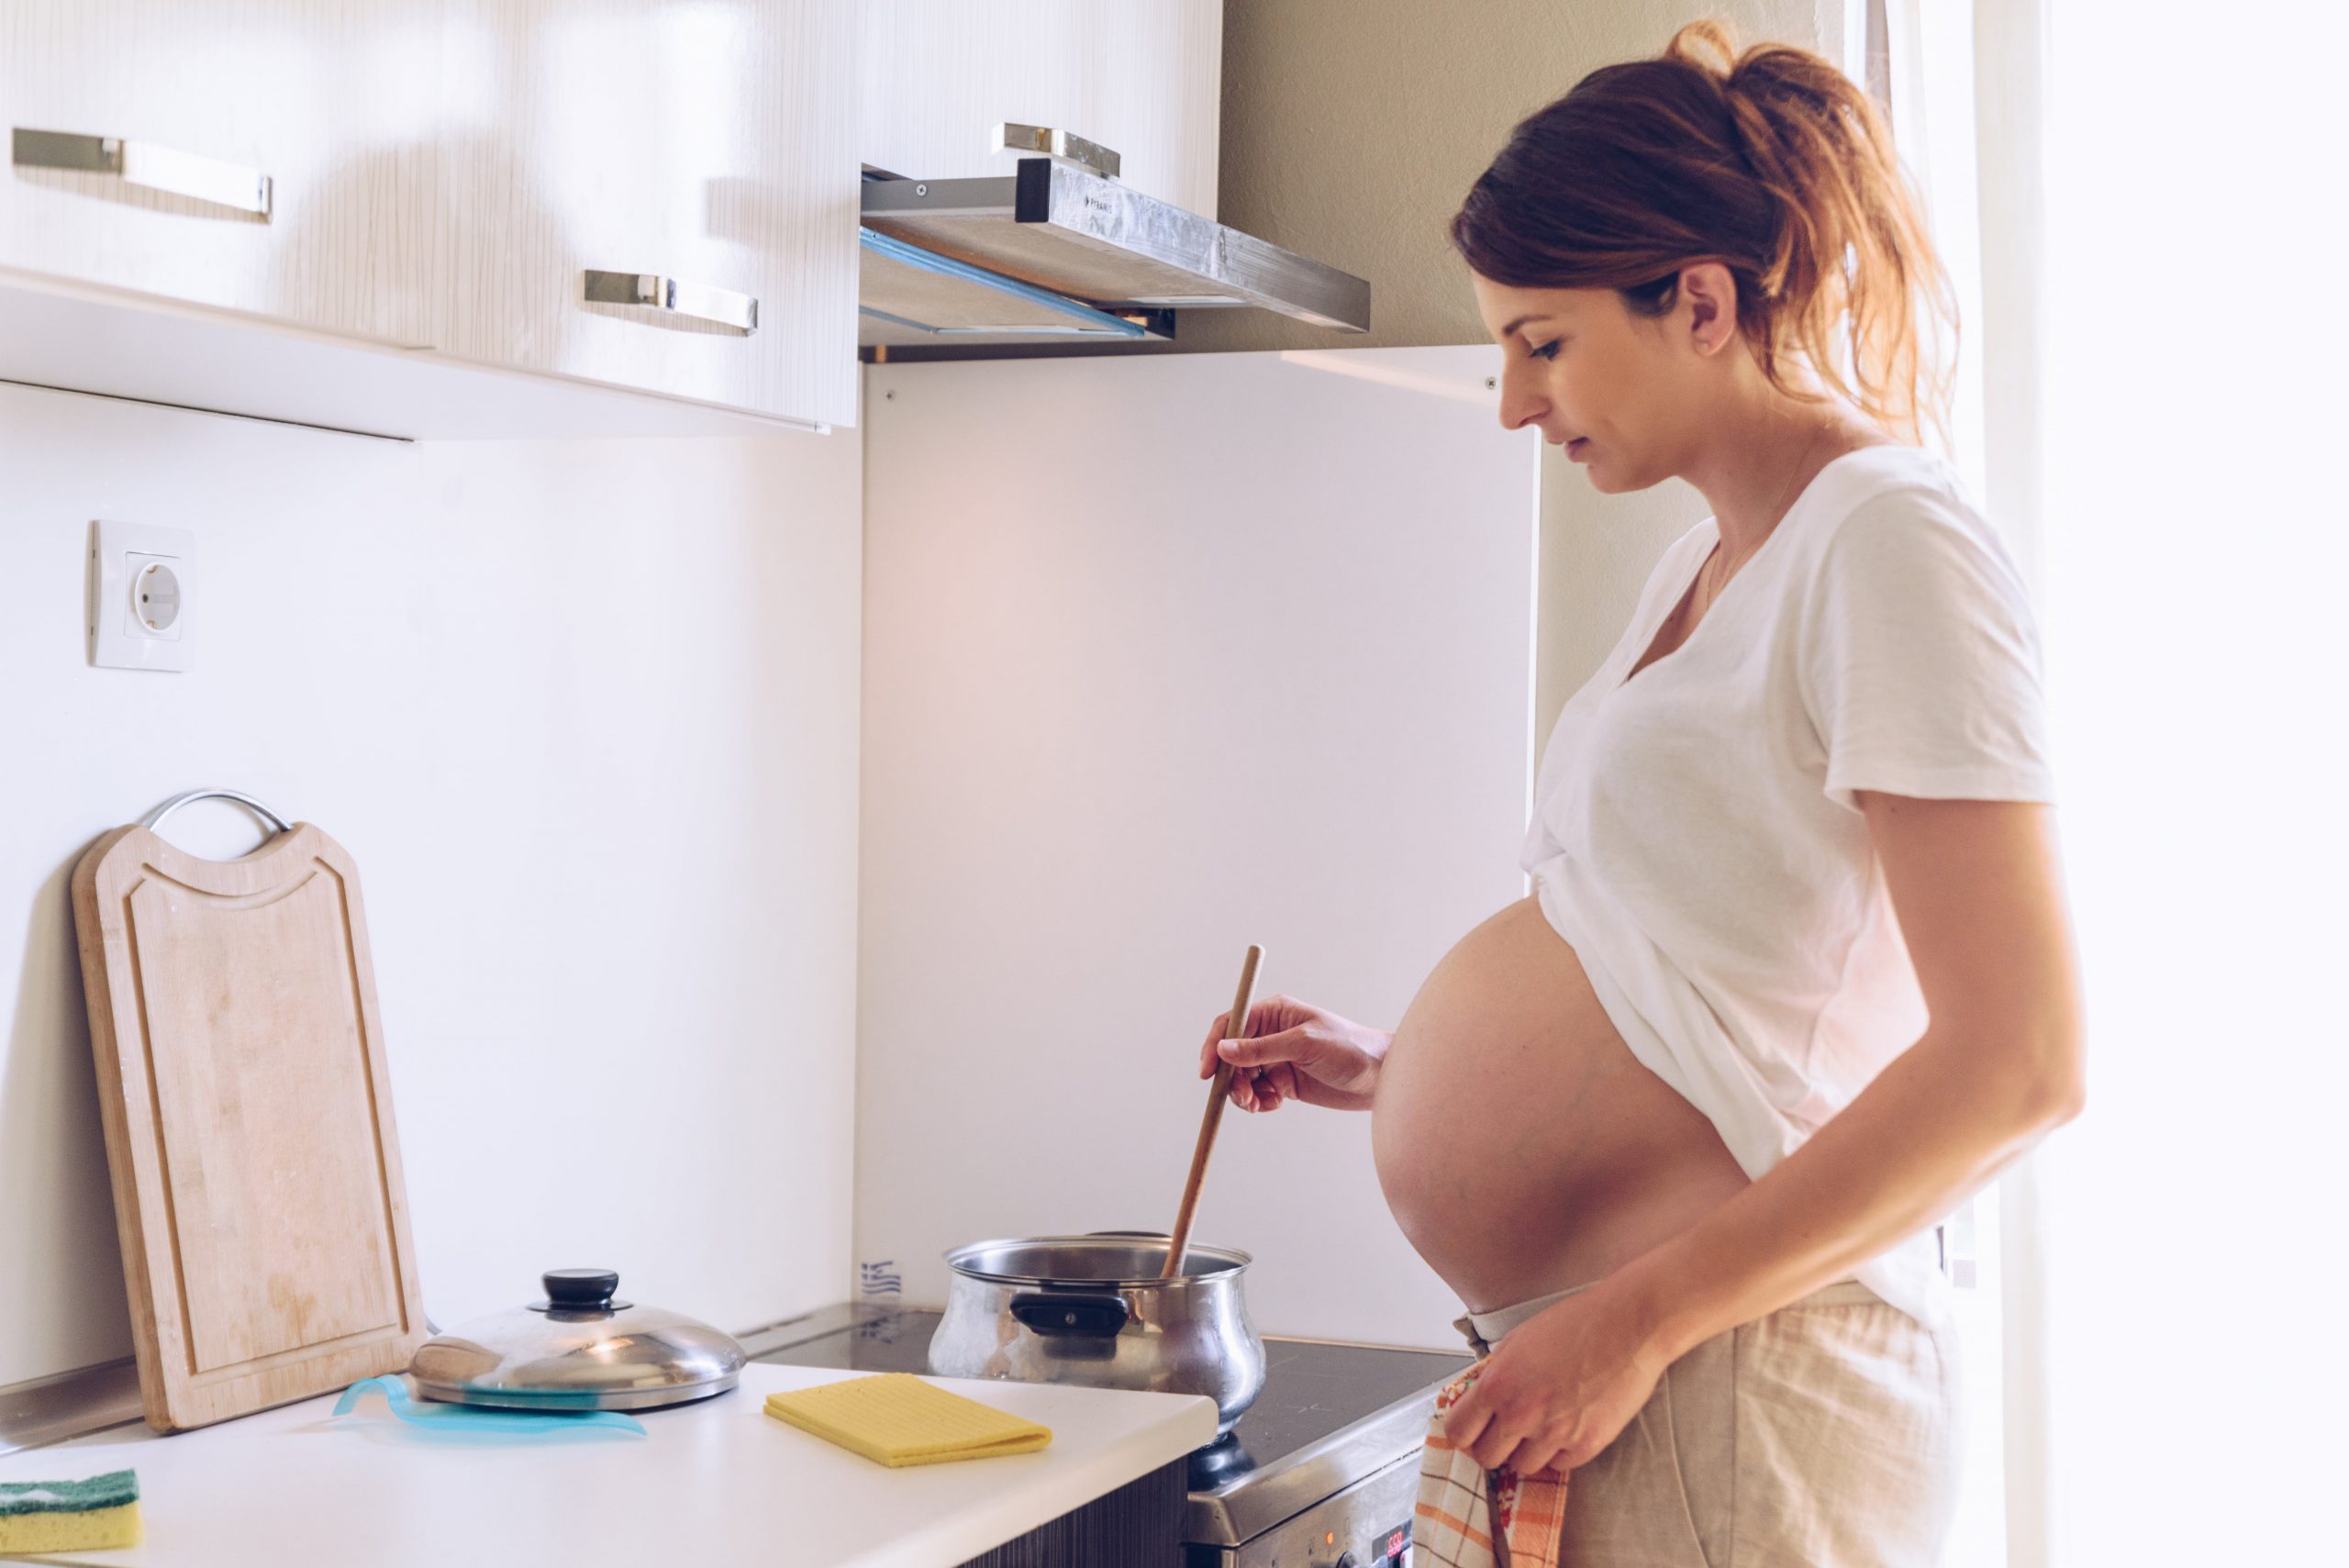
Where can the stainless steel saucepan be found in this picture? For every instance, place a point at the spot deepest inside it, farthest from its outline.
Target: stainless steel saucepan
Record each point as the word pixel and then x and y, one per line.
pixel 1093 1310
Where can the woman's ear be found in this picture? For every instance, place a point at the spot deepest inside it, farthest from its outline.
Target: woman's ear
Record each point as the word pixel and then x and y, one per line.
pixel 1709 293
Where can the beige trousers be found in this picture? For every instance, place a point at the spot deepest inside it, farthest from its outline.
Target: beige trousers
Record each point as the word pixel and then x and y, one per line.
pixel 1823 1435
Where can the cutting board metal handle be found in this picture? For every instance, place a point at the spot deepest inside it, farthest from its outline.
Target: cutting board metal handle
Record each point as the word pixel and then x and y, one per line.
pixel 154 818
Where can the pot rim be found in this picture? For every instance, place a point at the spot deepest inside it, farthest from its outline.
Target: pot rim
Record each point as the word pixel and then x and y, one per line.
pixel 1237 1260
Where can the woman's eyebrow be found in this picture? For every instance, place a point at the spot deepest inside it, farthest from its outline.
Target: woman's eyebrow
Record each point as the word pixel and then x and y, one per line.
pixel 1522 321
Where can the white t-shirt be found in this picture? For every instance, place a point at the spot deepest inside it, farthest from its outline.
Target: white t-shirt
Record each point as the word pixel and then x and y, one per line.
pixel 1695 837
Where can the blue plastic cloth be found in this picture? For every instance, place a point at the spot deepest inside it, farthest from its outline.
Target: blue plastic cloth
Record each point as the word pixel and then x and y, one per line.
pixel 477 1423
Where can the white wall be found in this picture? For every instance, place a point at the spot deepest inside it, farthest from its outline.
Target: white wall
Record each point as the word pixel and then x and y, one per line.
pixel 584 713
pixel 1164 657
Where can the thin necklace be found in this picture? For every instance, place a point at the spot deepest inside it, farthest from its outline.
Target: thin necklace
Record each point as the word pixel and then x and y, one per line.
pixel 1779 507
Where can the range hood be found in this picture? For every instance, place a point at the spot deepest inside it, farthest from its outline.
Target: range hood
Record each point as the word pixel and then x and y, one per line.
pixel 1059 250
pixel 909 295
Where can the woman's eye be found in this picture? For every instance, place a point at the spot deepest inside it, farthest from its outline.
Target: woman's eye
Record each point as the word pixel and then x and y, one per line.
pixel 1548 350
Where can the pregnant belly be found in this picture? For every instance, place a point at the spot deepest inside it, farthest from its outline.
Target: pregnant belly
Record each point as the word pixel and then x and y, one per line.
pixel 1521 1146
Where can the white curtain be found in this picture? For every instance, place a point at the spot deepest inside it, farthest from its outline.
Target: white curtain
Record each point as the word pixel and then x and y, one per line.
pixel 2143 203
pixel 2006 101
pixel 2197 548
pixel 1920 58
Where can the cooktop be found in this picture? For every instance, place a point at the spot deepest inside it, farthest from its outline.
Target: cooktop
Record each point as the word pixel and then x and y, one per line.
pixel 1332 1413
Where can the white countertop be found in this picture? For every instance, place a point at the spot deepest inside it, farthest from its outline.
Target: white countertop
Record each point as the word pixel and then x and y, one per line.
pixel 716 1481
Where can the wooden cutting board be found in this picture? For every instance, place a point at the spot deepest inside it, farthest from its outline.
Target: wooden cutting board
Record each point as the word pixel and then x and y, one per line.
pixel 249 1127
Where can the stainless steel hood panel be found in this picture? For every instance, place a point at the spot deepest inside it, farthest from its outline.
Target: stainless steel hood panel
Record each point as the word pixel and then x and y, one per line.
pixel 1076 233
pixel 910 295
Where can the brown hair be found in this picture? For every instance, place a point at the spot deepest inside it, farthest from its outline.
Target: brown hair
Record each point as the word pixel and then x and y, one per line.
pixel 1771 163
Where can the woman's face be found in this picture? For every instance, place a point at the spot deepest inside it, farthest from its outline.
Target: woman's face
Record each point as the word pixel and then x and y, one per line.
pixel 1626 396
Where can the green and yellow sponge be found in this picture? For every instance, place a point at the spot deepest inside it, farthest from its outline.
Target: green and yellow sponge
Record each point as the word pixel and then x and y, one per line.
pixel 69 1516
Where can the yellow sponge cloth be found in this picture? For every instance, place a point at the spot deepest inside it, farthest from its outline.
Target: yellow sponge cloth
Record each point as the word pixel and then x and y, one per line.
pixel 69 1516
pixel 896 1418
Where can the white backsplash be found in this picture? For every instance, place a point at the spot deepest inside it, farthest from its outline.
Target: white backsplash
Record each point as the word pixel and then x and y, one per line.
pixel 586 714
pixel 1165 657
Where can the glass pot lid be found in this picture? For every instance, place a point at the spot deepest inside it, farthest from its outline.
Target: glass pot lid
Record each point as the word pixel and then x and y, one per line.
pixel 580 1349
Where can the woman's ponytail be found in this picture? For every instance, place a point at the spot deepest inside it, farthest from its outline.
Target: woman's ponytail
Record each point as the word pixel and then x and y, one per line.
pixel 1772 163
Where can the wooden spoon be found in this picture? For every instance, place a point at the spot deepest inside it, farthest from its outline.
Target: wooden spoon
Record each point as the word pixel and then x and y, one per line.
pixel 1235 1028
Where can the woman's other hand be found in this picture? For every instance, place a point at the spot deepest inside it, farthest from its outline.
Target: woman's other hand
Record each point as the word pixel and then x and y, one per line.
pixel 1294 1051
pixel 1561 1386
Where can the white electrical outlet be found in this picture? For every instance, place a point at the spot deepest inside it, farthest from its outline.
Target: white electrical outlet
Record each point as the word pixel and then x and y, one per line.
pixel 141 596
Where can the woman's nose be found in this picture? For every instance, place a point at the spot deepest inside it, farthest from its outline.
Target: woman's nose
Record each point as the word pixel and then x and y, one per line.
pixel 1520 404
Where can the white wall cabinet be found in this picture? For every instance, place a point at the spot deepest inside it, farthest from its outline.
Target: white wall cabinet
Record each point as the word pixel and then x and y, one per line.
pixel 1142 76
pixel 443 174
pixel 331 100
pixel 711 145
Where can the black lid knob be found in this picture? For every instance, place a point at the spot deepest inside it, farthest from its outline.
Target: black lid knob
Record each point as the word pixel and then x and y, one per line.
pixel 580 1289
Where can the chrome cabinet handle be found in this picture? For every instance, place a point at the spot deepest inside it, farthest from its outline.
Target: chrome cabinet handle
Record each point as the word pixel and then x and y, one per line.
pixel 698 301
pixel 1066 147
pixel 144 163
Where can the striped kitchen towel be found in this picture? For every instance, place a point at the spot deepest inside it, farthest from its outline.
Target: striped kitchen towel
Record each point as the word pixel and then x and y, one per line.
pixel 1469 1517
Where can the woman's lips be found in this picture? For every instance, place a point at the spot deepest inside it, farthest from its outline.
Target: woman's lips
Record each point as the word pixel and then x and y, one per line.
pixel 1575 446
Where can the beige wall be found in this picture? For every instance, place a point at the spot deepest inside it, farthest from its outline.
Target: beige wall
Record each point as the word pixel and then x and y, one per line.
pixel 1351 130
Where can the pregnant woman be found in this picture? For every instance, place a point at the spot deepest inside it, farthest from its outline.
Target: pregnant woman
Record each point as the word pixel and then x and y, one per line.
pixel 1796 976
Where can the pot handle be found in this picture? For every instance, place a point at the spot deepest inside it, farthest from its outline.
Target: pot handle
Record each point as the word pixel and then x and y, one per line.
pixel 1055 1315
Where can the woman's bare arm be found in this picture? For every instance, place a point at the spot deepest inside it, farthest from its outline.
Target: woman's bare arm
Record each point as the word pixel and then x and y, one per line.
pixel 1979 891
